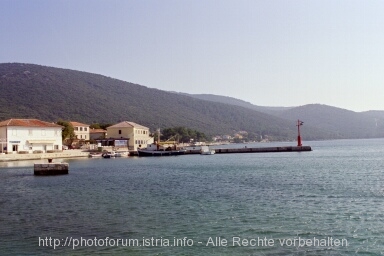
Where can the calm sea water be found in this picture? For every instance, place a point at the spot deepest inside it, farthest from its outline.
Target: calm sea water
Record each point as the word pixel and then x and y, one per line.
pixel 326 202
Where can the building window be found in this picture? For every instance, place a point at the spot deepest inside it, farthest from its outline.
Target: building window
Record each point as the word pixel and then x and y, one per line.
pixel 119 131
pixel 85 129
pixel 56 147
pixel 76 128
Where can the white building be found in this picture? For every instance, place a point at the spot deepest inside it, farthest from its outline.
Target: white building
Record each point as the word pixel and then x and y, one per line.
pixel 29 136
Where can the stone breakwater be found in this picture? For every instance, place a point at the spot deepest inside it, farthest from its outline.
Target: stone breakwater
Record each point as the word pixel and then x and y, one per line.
pixel 37 156
pixel 254 150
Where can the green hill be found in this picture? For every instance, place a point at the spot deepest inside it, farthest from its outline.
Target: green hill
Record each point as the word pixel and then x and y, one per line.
pixel 33 91
pixel 47 93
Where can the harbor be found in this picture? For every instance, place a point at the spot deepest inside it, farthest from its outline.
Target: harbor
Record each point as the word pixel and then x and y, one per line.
pixel 278 195
pixel 188 151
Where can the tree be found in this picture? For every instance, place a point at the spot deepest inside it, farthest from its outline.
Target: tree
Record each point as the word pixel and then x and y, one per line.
pixel 182 134
pixel 68 133
pixel 100 126
pixel 95 126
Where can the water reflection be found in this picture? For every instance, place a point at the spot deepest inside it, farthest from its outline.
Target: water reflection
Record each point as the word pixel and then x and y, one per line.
pixel 28 163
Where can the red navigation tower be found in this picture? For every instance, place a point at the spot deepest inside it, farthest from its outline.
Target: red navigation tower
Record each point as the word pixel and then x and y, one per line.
pixel 299 123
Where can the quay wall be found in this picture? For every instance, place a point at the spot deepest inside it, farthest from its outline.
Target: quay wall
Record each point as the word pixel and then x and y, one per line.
pixel 80 153
pixel 37 156
pixel 255 150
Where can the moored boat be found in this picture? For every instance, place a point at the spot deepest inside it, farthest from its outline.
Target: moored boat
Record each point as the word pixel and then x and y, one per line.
pixel 205 150
pixel 95 155
pixel 121 154
pixel 114 154
pixel 160 149
pixel 146 152
pixel 108 154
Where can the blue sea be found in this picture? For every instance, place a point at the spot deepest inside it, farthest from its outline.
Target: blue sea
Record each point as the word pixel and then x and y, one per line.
pixel 326 202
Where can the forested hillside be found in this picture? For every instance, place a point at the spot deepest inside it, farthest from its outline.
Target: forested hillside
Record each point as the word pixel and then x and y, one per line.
pixel 33 91
pixel 51 94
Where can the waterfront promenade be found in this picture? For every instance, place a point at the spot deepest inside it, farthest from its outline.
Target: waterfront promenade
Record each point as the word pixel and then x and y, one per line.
pixel 33 156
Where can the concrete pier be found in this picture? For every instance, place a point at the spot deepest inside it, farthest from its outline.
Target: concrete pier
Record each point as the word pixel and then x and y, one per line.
pixel 51 169
pixel 255 150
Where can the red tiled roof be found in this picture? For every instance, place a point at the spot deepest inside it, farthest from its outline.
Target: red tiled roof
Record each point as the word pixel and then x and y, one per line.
pixel 27 123
pixel 128 124
pixel 78 124
pixel 97 130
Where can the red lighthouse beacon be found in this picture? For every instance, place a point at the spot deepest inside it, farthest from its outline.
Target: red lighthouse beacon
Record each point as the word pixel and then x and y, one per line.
pixel 299 123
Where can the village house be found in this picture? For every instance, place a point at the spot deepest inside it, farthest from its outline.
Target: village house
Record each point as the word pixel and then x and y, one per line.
pixel 95 134
pixel 128 134
pixel 81 130
pixel 29 136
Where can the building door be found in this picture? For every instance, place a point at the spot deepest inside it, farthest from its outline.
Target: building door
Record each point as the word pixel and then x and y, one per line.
pixel 15 148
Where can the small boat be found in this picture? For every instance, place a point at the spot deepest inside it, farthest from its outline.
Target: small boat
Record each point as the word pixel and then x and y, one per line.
pixel 148 152
pixel 95 155
pixel 108 154
pixel 205 150
pixel 121 154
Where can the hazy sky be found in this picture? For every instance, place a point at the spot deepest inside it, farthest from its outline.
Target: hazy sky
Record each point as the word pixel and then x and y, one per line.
pixel 270 53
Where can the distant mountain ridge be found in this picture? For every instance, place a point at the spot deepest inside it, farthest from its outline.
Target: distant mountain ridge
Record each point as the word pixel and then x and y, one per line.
pixel 237 102
pixel 341 123
pixel 50 94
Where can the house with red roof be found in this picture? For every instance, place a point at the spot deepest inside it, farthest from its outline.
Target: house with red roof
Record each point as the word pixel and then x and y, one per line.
pixel 95 134
pixel 29 136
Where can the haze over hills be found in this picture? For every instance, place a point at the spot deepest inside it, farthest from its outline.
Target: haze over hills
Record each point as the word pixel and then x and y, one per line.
pixel 238 102
pixel 47 93
pixel 341 123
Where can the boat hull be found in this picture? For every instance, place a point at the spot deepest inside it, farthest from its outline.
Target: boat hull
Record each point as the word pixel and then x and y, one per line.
pixel 212 152
pixel 95 155
pixel 160 153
